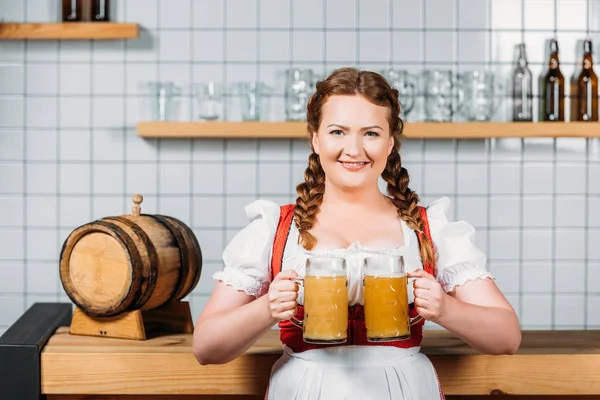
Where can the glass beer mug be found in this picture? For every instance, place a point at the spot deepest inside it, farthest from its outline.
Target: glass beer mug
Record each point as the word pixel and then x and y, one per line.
pixel 325 301
pixel 385 289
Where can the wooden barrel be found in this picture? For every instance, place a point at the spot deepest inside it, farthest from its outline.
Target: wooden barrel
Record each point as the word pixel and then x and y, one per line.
pixel 129 262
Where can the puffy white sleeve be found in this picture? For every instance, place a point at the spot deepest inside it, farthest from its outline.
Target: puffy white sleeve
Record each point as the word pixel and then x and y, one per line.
pixel 247 257
pixel 460 260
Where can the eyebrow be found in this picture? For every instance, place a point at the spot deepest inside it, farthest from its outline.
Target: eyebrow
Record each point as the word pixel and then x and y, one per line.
pixel 362 129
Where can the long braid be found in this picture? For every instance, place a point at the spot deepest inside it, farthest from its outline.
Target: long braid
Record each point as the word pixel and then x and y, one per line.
pixel 310 196
pixel 407 201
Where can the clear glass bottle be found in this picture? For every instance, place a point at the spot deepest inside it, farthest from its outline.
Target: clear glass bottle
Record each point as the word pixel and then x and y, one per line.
pixel 522 87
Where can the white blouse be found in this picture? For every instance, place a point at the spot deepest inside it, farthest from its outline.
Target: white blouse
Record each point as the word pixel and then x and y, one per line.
pixel 247 257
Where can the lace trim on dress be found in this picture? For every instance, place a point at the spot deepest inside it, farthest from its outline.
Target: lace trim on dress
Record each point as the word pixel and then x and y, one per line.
pixel 240 281
pixel 459 274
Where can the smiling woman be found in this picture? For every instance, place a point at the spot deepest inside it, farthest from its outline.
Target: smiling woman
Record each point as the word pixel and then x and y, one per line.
pixel 340 213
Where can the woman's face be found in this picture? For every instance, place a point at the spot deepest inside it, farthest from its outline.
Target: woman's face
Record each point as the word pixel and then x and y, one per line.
pixel 353 141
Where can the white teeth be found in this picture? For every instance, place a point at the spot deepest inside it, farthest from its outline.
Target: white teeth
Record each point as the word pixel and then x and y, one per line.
pixel 356 164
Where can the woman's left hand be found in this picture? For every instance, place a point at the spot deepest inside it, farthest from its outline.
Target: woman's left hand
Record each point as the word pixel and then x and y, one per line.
pixel 430 298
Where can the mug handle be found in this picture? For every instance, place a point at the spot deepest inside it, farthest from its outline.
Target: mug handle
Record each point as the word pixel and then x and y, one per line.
pixel 298 323
pixel 418 318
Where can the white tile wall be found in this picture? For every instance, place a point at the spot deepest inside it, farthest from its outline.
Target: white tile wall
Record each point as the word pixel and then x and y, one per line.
pixel 69 152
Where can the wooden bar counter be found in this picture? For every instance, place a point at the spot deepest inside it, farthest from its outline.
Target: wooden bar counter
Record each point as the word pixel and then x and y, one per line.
pixel 549 365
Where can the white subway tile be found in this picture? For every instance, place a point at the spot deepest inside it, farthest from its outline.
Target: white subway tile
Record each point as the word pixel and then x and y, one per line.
pixel 241 179
pixel 241 13
pixel 175 14
pixel 12 178
pixel 208 212
pixel 108 178
pixel 507 14
pixel 341 13
pixel 11 308
pixel 42 245
pixel 12 111
pixel 537 310
pixel 42 211
pixel 12 145
pixel 309 13
pixel 341 46
pixel 570 244
pixel 440 14
pixel 274 13
pixel 12 273
pixel 570 211
pixel 274 178
pixel 506 245
pixel 174 178
pixel 175 46
pixel 472 178
pixel 208 14
pixel 42 278
pixel 74 178
pixel 41 178
pixel 374 14
pixel 208 179
pixel 474 14
pixel 11 211
pixel 537 244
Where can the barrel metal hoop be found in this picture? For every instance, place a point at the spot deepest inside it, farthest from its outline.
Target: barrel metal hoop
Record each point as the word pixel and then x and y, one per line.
pixel 153 270
pixel 183 255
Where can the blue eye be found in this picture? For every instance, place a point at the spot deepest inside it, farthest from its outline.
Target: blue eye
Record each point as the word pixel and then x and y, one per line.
pixel 336 132
pixel 372 134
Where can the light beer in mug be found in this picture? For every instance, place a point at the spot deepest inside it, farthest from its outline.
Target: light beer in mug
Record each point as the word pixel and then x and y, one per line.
pixel 385 297
pixel 386 307
pixel 325 301
pixel 325 309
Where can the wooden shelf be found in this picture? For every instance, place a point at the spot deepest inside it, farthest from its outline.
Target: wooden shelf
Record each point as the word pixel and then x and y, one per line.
pixel 414 130
pixel 70 30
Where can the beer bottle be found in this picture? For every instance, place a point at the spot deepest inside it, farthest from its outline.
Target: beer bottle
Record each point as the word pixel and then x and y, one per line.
pixel 72 11
pixel 100 10
pixel 522 87
pixel 552 88
pixel 585 89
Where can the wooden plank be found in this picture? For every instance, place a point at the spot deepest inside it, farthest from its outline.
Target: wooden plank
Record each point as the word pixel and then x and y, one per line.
pixel 486 130
pixel 166 365
pixel 70 30
pixel 240 130
pixel 412 130
pixel 435 342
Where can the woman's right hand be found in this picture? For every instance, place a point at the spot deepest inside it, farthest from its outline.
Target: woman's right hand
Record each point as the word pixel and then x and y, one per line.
pixel 282 295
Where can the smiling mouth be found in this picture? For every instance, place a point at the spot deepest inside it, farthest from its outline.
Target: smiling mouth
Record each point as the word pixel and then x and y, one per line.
pixel 354 165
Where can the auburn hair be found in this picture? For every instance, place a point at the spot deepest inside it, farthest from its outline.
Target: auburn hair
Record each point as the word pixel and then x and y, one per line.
pixel 376 89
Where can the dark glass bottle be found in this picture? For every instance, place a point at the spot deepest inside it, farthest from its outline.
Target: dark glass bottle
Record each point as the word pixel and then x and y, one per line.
pixel 100 10
pixel 552 88
pixel 72 11
pixel 584 90
pixel 522 87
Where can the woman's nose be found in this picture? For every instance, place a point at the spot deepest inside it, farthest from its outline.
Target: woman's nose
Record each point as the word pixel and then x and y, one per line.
pixel 353 145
